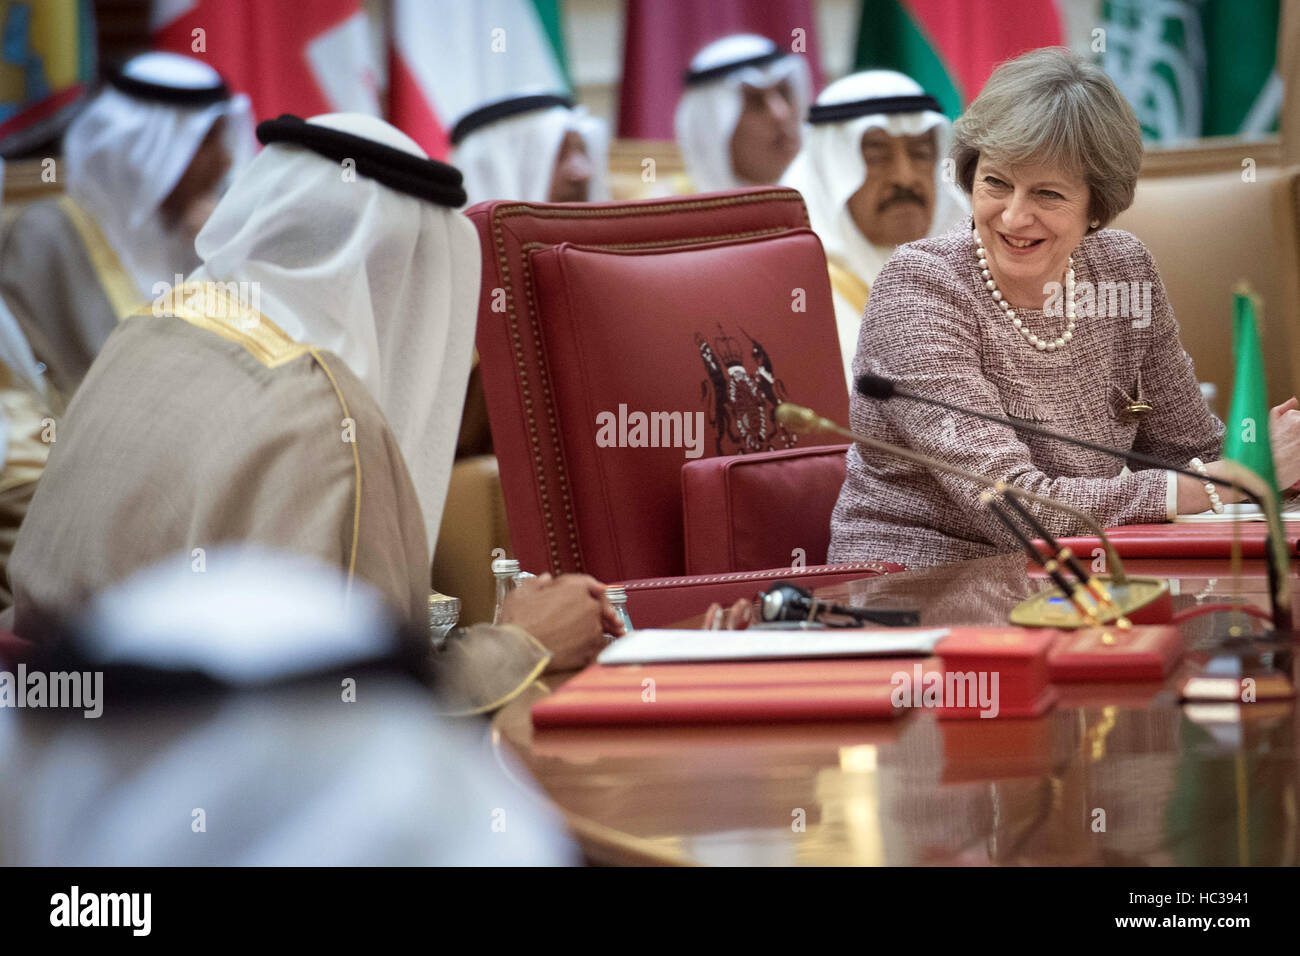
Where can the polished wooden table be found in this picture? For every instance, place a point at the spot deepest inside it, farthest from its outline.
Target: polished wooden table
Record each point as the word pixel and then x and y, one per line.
pixel 1115 774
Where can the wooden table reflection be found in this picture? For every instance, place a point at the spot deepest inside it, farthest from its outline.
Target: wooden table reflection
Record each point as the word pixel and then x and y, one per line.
pixel 1116 774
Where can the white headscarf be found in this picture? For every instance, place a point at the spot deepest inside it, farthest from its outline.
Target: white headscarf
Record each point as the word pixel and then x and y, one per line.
pixel 284 772
pixel 15 352
pixel 386 281
pixel 514 158
pixel 256 616
pixel 708 112
pixel 830 169
pixel 124 156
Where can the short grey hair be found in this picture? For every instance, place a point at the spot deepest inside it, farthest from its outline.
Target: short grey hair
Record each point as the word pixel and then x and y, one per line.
pixel 1055 108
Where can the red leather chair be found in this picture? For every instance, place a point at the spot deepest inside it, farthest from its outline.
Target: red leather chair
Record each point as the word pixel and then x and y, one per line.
pixel 694 311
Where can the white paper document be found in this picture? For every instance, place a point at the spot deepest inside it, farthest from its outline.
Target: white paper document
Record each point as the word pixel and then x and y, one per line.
pixel 1243 511
pixel 670 646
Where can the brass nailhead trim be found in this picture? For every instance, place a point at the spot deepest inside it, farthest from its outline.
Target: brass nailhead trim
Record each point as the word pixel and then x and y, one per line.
pixel 759 575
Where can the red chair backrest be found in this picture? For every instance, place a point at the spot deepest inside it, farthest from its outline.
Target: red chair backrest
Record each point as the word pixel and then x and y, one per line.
pixel 592 315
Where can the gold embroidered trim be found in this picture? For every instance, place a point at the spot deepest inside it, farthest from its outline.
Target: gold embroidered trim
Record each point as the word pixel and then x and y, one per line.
pixel 356 465
pixel 209 306
pixel 117 284
pixel 522 686
pixel 498 234
pixel 849 285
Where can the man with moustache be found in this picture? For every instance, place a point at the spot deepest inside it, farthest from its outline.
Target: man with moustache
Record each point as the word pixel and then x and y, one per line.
pixel 871 174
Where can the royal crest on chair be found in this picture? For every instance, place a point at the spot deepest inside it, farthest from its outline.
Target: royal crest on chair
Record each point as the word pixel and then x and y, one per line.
pixel 742 402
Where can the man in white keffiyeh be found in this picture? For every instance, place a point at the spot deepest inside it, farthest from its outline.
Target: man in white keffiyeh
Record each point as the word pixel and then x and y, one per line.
pixel 738 119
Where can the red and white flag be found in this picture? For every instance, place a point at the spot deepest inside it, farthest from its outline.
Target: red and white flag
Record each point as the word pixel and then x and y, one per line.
pixel 447 57
pixel 303 58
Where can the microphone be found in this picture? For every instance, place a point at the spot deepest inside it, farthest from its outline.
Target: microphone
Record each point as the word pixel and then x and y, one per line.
pixel 1243 480
pixel 1124 598
pixel 784 601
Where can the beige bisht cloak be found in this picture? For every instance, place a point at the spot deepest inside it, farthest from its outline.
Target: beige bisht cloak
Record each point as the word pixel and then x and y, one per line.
pixel 206 424
pixel 65 285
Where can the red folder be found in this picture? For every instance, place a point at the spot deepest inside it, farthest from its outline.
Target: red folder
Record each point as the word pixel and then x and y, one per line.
pixel 1026 660
pixel 806 690
pixel 718 693
pixel 1209 539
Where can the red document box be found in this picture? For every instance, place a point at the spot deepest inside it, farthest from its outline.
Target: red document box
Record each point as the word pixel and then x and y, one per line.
pixel 1018 656
pixel 716 693
pixel 1111 654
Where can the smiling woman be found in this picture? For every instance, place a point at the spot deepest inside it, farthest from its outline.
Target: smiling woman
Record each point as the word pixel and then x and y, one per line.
pixel 998 315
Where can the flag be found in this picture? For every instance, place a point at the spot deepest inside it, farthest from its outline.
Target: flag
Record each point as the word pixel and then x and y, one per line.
pixel 661 36
pixel 303 58
pixel 47 63
pixel 447 57
pixel 1189 68
pixel 1193 68
pixel 1246 440
pixel 951 46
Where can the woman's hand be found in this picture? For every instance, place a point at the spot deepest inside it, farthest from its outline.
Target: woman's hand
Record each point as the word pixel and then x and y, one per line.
pixel 1284 439
pixel 1284 436
pixel 735 618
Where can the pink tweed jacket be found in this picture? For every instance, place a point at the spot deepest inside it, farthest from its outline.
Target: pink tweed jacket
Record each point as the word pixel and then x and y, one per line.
pixel 932 326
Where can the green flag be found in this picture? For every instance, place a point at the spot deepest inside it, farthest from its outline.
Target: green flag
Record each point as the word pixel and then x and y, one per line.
pixel 891 38
pixel 1246 441
pixel 1194 68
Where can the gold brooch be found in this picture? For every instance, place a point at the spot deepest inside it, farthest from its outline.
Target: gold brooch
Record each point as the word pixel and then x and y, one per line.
pixel 1135 407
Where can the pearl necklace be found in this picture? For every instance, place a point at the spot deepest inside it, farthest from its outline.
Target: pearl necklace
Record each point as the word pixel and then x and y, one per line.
pixel 1043 345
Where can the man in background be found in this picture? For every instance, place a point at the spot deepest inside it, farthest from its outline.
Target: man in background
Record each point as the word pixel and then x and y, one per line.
pixel 738 121
pixel 537 147
pixel 143 166
pixel 871 175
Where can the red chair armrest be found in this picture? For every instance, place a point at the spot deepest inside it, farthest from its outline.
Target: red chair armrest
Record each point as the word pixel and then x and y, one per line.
pixel 659 602
pixel 762 510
